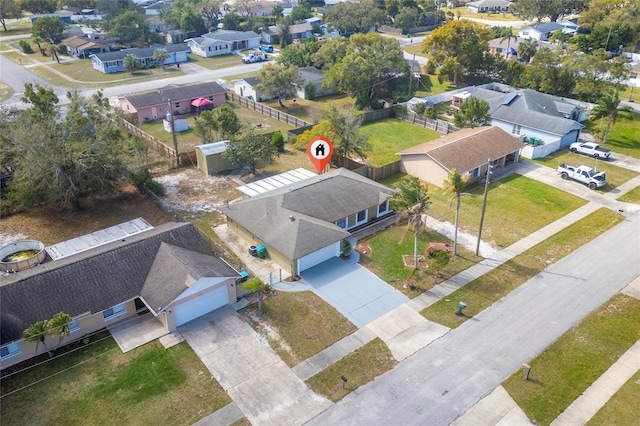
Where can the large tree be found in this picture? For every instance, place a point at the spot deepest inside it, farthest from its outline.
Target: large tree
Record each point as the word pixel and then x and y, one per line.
pixel 610 12
pixel 211 12
pixel 9 9
pixel 129 27
pixel 278 81
pixel 349 18
pixel 48 28
pixel 527 49
pixel 38 6
pixel 219 123
pixel 407 18
pixel 546 73
pixel 186 16
pixel 412 200
pixel 552 9
pixel 463 41
pixel 474 112
pixel 61 159
pixel 249 147
pixel 372 68
pixel 299 55
pixel 609 106
pixel 595 73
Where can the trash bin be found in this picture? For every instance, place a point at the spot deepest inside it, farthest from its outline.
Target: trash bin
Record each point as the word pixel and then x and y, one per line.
pixel 261 251
pixel 252 251
pixel 244 276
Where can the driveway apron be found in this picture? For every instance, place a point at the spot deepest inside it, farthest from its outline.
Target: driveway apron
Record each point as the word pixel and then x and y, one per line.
pixel 353 290
pixel 261 385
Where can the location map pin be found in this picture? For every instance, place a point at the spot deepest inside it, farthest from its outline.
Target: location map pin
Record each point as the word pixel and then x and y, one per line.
pixel 320 150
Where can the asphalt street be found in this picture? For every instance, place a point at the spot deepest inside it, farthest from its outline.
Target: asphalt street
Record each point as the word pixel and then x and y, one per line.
pixel 439 383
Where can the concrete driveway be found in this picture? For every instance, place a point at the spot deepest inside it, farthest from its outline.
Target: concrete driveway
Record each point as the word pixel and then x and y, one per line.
pixel 353 290
pixel 261 385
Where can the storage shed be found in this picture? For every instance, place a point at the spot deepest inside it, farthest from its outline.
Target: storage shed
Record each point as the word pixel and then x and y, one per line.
pixel 210 159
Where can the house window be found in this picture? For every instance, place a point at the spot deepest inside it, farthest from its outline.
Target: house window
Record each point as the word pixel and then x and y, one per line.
pixel 383 208
pixel 177 104
pixel 516 129
pixel 342 223
pixel 9 350
pixel 476 172
pixel 110 313
pixel 361 217
pixel 73 326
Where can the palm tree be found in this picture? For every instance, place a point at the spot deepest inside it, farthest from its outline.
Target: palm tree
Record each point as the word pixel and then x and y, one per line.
pixel 37 332
pixel 607 106
pixel 412 200
pixel 454 185
pixel 161 55
pixel 59 326
pixel 54 49
pixel 38 40
pixel 508 38
pixel 260 289
pixel 131 63
pixel 527 49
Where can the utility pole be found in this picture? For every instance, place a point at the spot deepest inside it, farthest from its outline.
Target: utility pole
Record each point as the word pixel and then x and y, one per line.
pixel 484 205
pixel 173 132
pixel 411 74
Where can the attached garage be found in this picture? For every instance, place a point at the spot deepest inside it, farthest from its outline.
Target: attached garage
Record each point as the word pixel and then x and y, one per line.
pixel 319 256
pixel 201 305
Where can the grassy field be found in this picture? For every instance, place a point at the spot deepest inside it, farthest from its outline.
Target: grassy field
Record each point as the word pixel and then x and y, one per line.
pixel 415 48
pixel 384 254
pixel 566 368
pixel 298 325
pixel 5 92
pixel 632 196
pixel 516 207
pixel 387 137
pixel 466 13
pixel 494 285
pixel 429 85
pixel 623 408
pixel 359 367
pixel 623 136
pixel 616 176
pixel 188 139
pixel 99 383
pixel 216 62
pixel 311 110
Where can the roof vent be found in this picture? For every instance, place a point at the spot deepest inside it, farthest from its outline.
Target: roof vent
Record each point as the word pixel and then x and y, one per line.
pixel 292 218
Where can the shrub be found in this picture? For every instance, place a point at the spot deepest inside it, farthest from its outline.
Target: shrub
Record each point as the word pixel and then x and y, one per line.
pixel 277 140
pixel 419 108
pixel 25 46
pixel 310 91
pixel 144 178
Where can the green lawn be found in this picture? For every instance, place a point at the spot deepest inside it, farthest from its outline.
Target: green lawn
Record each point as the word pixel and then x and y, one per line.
pixel 82 70
pixel 415 48
pixel 429 85
pixel 568 367
pixel 304 322
pixel 494 285
pixel 388 137
pixel 216 62
pixel 465 12
pixel 623 136
pixel 384 254
pixel 632 196
pixel 516 207
pixel 359 368
pixel 99 383
pixel 623 408
pixel 616 176
pixel 311 110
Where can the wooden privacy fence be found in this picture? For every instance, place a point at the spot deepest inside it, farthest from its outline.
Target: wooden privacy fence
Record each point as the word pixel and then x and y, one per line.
pixel 437 124
pixel 267 110
pixel 373 173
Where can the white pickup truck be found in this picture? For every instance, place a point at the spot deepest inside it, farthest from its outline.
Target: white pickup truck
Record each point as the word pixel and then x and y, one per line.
pixel 583 174
pixel 590 148
pixel 254 56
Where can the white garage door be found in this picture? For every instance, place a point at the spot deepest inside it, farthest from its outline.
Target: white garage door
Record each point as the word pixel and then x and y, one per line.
pixel 312 259
pixel 199 306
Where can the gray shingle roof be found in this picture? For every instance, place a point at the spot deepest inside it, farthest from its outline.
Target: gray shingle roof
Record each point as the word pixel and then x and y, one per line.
pixel 532 109
pixel 544 28
pixel 106 276
pixel 174 92
pixel 231 36
pixel 141 53
pixel 315 204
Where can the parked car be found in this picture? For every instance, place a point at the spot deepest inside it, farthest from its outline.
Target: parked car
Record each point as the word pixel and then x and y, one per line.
pixel 590 148
pixel 583 174
pixel 267 48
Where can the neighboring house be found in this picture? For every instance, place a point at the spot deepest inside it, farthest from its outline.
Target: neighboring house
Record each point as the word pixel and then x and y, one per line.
pixel 499 46
pixel 304 223
pixel 313 76
pixel 154 105
pixel 533 116
pixel 111 62
pixel 485 6
pixel 247 87
pixel 82 47
pixel 261 8
pixel 298 31
pixel 540 32
pixel 223 42
pixel 466 151
pixel 634 76
pixel 168 270
pixel 64 16
pixel 210 159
